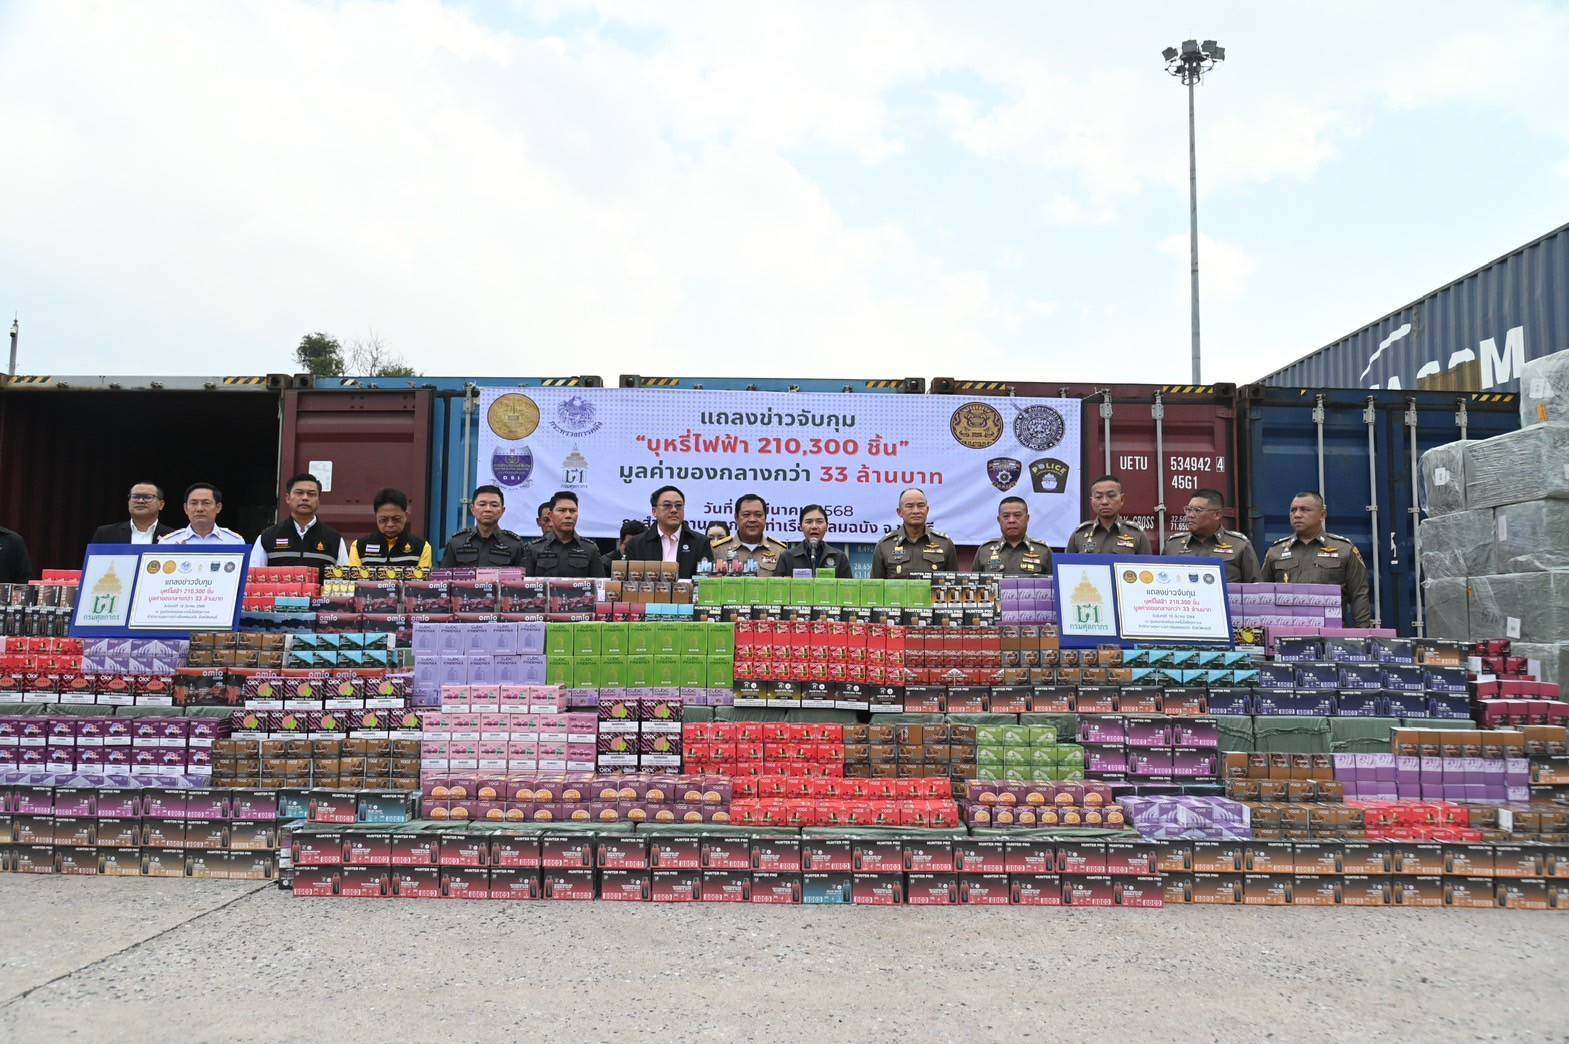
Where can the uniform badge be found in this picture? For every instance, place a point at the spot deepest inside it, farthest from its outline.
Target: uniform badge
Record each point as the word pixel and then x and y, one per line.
pixel 1004 472
pixel 406 547
pixel 320 546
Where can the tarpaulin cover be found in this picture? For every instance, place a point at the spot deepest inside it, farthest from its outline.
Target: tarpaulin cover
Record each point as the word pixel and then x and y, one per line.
pixel 1531 536
pixel 1291 735
pixel 1443 477
pixel 1551 659
pixel 1544 390
pixel 1528 607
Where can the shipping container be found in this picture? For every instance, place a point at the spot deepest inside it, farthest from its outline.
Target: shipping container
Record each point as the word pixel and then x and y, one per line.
pixel 1360 450
pixel 1473 334
pixel 1164 441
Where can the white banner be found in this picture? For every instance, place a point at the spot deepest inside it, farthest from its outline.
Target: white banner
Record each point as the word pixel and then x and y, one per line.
pixel 851 453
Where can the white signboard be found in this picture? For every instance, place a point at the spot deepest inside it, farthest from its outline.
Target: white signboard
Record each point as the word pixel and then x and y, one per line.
pixel 1176 600
pixel 853 454
pixel 1085 603
pixel 179 591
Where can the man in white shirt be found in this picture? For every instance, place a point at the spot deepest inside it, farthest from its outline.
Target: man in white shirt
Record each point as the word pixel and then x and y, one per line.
pixel 203 502
pixel 145 503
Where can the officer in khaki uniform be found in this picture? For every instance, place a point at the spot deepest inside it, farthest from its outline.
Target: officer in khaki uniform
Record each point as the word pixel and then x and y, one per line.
pixel 1015 553
pixel 1206 539
pixel 1107 533
pixel 912 548
pixel 748 543
pixel 1312 556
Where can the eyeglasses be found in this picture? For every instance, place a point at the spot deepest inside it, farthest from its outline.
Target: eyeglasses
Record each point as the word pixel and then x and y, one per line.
pixel 671 505
pixel 1199 510
pixel 144 496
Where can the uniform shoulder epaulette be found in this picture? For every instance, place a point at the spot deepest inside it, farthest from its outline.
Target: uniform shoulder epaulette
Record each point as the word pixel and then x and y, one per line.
pixel 509 533
pixel 463 532
pixel 1184 537
pixel 537 540
pixel 722 541
pixel 1284 540
pixel 776 542
pixel 1085 525
pixel 1233 532
pixel 890 536
pixel 935 533
pixel 1337 536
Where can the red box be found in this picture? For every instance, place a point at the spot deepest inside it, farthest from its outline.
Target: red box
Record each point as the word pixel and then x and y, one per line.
pixel 315 881
pixel 984 889
pixel 514 884
pixel 677 886
pixel 1143 891
pixel 725 886
pixel 776 889
pixel 1088 890
pixel 878 889
pixel 568 884
pixel 364 882
pixel 416 882
pixel 625 886
pixel 1036 889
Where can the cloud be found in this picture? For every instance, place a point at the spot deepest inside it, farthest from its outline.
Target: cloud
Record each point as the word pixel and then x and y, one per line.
pixel 1062 209
pixel 1224 268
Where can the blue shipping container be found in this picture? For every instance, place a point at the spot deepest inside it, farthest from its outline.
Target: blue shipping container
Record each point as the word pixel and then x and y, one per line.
pixel 1473 334
pixel 1362 466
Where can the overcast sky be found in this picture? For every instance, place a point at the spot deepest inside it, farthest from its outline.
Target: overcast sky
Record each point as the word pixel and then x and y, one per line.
pixel 987 190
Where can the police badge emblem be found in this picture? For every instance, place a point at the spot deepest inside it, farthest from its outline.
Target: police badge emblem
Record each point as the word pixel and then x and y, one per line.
pixel 1004 472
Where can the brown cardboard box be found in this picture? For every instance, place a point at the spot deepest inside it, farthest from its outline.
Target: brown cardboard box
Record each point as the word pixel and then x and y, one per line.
pixel 1410 890
pixel 1316 890
pixel 1469 892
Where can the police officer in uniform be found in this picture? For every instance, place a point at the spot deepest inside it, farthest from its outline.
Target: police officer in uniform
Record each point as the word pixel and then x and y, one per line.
pixel 812 552
pixel 749 544
pixel 302 538
pixel 1206 539
pixel 393 545
pixel 1312 556
pixel 485 543
pixel 563 552
pixel 1016 553
pixel 912 548
pixel 1107 533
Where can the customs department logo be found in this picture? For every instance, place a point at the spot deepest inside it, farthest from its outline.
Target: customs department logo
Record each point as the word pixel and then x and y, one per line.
pixel 574 470
pixel 1039 427
pixel 575 416
pixel 512 466
pixel 976 425
pixel 1004 472
pixel 1129 576
pixel 1049 475
pixel 513 416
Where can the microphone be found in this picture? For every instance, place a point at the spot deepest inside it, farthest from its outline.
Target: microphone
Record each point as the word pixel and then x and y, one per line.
pixel 814 549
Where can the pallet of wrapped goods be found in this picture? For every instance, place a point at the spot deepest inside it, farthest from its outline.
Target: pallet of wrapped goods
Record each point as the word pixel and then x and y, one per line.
pixel 1524 465
pixel 1446 608
pixel 1529 537
pixel 1530 607
pixel 1544 390
pixel 1443 477
pixel 1458 544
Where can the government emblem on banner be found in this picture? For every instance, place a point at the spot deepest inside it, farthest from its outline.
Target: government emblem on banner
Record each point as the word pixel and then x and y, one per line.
pixel 1004 472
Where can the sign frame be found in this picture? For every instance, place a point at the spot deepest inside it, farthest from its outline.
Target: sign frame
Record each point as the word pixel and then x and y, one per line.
pixel 1111 564
pixel 238 553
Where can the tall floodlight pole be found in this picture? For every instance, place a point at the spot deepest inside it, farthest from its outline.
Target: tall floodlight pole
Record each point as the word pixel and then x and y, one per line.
pixel 1189 65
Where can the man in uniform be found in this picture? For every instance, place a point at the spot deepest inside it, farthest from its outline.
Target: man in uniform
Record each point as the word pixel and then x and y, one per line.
pixel 485 543
pixel 812 552
pixel 542 518
pixel 1107 533
pixel 1016 553
pixel 912 548
pixel 16 567
pixel 629 529
pixel 302 538
pixel 1312 556
pixel 749 544
pixel 393 544
pixel 145 504
pixel 563 552
pixel 203 504
pixel 669 539
pixel 1206 539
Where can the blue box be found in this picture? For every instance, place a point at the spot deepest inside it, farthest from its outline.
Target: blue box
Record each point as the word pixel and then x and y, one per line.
pixel 1230 701
pixel 1346 650
pixel 1449 707
pixel 1408 705
pixel 1299 704
pixel 1317 676
pixel 1404 678
pixel 1444 679
pixel 1361 676
pixel 1277 676
pixel 1299 648
pixel 1393 650
pixel 826 889
pixel 1361 704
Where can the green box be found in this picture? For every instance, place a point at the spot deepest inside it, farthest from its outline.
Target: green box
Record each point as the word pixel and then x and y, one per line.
pixel 1068 756
pixel 708 590
pixel 585 673
pixel 754 590
pixel 639 639
pixel 694 673
pixel 989 773
pixel 663 639
pixel 986 754
pixel 558 672
pixel 874 593
pixel 1016 775
pixel 587 639
pixel 558 639
pixel 1043 735
pixel 825 591
pixel 1042 757
pixel 638 669
pixel 721 673
pixel 1015 735
pixel 1040 774
pixel 613 640
pixel 917 594
pixel 612 674
pixel 1071 775
pixel 989 736
pixel 1016 757
pixel 721 640
pixel 666 671
pixel 776 590
pixel 692 640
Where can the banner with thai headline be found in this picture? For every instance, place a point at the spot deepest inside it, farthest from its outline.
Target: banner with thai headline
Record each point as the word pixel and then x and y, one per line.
pixel 851 453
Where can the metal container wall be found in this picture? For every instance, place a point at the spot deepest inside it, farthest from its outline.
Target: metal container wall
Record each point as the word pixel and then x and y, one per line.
pixel 1164 441
pixel 1359 449
pixel 1473 334
pixel 879 385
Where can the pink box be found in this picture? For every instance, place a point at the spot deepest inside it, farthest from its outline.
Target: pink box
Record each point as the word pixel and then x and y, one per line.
pixel 522 749
pixel 514 699
pixel 455 697
pixel 485 698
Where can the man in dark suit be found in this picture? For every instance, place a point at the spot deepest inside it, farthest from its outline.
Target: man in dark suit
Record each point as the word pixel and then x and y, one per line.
pixel 669 539
pixel 146 502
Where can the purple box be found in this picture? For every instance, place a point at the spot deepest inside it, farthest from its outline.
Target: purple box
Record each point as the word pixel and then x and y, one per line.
pixel 531 638
pixel 1099 760
pixel 1147 732
pixel 1102 730
pixel 1154 761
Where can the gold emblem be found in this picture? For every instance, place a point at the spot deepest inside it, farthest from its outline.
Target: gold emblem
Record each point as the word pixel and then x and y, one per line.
pixel 513 416
pixel 976 425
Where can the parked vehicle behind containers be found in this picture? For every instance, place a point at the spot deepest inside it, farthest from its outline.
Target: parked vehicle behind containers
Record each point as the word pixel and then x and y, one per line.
pixel 1473 334
pixel 1164 441
pixel 1360 449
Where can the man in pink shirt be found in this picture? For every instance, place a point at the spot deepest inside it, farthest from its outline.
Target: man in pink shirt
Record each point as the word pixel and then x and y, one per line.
pixel 669 539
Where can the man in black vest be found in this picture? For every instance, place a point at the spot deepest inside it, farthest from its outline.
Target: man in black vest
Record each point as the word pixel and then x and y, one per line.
pixel 484 544
pixel 302 538
pixel 393 544
pixel 563 552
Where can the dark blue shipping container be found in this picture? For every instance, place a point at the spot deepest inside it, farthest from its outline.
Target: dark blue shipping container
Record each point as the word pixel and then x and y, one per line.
pixel 1473 334
pixel 1356 448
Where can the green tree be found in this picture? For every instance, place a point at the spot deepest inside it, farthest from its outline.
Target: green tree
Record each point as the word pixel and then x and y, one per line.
pixel 320 355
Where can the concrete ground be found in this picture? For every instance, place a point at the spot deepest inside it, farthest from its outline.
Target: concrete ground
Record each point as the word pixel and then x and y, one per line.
pixel 143 959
